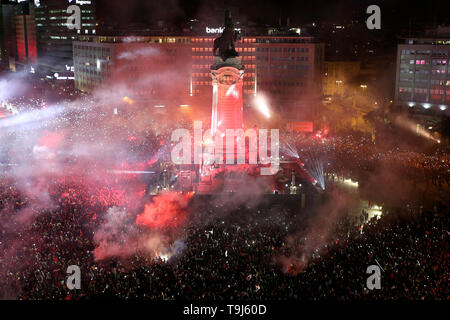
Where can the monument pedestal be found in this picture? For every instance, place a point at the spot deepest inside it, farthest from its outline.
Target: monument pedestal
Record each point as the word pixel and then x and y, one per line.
pixel 227 105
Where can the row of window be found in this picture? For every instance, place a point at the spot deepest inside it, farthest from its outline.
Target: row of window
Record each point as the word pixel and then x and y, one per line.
pixel 283 40
pixel 283 49
pixel 91 48
pixel 258 40
pixel 440 62
pixel 440 82
pixel 421 90
pixel 210 49
pixel 416 52
pixel 200 40
pixel 432 82
pixel 87 71
pixel 423 72
pixel 283 58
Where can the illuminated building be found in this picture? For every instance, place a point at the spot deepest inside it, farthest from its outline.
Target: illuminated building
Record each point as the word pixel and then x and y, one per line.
pixel 25 36
pixel 18 36
pixel 54 38
pixel 141 63
pixel 423 79
pixel 7 35
pixel 283 67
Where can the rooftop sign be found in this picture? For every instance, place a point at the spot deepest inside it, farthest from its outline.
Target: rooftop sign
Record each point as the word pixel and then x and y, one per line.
pixel 218 30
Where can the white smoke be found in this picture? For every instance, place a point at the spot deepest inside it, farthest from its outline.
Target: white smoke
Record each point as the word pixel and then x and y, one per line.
pixel 139 53
pixel 12 86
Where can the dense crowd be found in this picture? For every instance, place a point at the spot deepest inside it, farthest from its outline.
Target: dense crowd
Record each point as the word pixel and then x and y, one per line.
pixel 360 158
pixel 246 254
pixel 239 252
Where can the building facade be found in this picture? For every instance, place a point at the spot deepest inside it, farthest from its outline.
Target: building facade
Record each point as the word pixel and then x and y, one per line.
pixel 285 69
pixel 422 76
pixel 156 68
pixel 54 38
pixel 25 31
pixel 7 34
pixel 17 36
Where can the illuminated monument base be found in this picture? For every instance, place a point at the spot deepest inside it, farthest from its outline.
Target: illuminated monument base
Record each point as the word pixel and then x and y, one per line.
pixel 226 111
pixel 227 79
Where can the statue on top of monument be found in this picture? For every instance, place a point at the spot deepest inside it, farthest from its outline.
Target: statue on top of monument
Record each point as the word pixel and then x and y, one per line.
pixel 225 43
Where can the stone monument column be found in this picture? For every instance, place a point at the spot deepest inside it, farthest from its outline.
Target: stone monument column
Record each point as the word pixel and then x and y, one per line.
pixel 227 103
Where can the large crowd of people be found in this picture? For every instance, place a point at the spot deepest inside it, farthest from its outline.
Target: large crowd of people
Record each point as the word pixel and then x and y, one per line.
pixel 350 153
pixel 247 253
pixel 48 223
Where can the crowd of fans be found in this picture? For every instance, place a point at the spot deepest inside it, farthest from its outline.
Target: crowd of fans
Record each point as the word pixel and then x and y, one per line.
pixel 360 157
pixel 241 253
pixel 245 254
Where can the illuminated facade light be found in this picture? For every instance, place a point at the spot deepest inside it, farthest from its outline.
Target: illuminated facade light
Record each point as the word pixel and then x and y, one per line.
pixel 443 107
pixel 351 183
pixel 411 104
pixel 426 105
pixel 256 84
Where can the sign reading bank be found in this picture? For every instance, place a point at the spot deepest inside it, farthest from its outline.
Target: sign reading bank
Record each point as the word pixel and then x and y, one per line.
pixel 218 30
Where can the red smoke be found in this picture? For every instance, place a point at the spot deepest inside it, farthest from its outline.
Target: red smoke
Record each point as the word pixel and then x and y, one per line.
pixel 165 210
pixel 51 139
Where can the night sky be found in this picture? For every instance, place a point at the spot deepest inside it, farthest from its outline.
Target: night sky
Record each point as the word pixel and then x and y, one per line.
pixel 396 14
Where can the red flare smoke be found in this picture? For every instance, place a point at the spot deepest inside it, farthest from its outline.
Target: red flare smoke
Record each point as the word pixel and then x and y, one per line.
pixel 165 210
pixel 51 139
